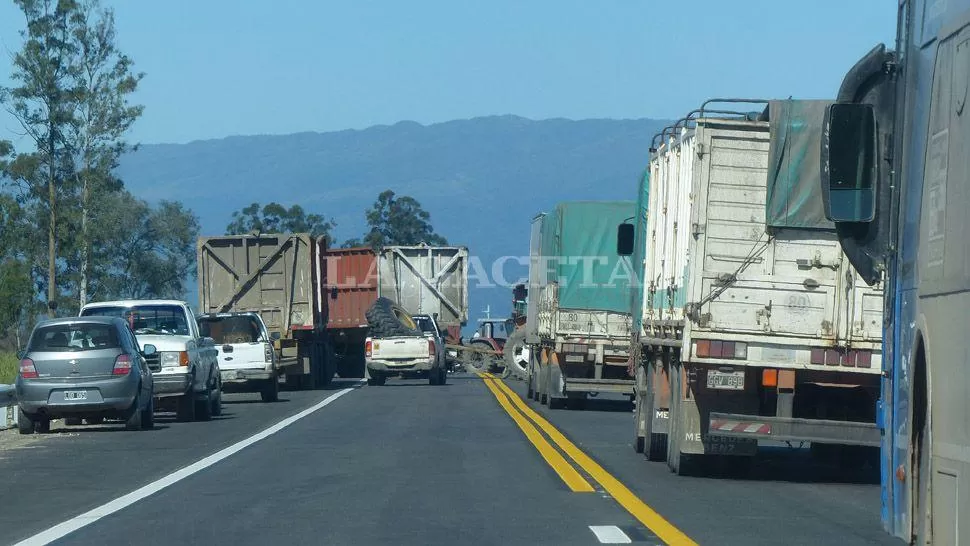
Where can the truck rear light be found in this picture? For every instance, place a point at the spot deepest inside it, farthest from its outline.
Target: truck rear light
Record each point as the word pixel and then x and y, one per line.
pixel 432 349
pixel 368 348
pixel 849 359
pixel 705 348
pixel 818 357
pixel 27 370
pixel 122 365
pixel 831 357
pixel 268 353
pixel 863 359
pixel 769 378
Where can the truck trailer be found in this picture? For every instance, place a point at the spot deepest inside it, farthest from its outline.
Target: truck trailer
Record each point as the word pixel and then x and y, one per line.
pixel 578 317
pixel 751 324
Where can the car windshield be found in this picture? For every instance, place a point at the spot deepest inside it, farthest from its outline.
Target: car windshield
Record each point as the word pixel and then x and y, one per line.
pixel 148 319
pixel 231 329
pixel 67 338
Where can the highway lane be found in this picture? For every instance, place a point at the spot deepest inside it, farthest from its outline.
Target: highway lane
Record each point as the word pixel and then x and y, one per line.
pixel 785 499
pixel 406 463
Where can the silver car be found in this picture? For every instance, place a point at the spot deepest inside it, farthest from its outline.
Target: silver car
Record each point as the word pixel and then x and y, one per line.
pixel 84 368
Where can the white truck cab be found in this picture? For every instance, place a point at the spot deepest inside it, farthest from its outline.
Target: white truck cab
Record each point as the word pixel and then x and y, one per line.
pixel 185 368
pixel 247 359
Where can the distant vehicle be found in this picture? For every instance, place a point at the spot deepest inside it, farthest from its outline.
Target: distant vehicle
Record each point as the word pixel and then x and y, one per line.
pixel 84 368
pixel 578 306
pixel 247 361
pixel 402 345
pixel 186 366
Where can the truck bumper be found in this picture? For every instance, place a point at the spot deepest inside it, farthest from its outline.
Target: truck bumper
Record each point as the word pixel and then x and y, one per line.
pixel 245 375
pixel 618 386
pixel 384 367
pixel 754 427
pixel 172 384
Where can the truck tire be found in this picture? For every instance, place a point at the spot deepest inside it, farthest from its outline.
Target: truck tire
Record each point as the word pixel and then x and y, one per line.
pixel 185 408
pixel 203 408
pixel 271 390
pixel 478 362
pixel 376 380
pixel 387 319
pixel 516 355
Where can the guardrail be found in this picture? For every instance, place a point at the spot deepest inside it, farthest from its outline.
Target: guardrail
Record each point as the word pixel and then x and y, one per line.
pixel 8 407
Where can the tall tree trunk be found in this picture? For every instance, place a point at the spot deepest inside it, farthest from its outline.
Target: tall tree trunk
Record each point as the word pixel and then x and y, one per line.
pixel 52 235
pixel 85 242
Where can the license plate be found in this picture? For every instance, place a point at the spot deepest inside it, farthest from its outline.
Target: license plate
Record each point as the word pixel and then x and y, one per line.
pixel 75 395
pixel 733 381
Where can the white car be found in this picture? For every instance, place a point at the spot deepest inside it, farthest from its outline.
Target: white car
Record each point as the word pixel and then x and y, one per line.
pixel 185 369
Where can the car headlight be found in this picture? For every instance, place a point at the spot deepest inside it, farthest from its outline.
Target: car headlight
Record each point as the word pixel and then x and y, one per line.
pixel 173 359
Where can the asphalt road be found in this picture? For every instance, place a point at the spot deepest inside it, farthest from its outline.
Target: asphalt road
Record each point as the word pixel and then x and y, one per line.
pixel 405 463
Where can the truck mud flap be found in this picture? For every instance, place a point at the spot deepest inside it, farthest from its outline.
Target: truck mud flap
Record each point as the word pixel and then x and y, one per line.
pixel 729 425
pixel 695 441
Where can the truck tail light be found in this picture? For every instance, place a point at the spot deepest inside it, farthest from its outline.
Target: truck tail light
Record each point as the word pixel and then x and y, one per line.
pixel 27 370
pixel 368 348
pixel 122 365
pixel 769 377
pixel 706 348
pixel 432 349
pixel 268 353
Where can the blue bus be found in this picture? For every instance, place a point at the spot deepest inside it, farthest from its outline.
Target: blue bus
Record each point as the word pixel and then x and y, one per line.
pixel 895 166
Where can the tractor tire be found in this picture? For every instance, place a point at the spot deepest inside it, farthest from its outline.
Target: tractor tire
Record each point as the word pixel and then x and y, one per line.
pixel 516 355
pixel 387 319
pixel 476 362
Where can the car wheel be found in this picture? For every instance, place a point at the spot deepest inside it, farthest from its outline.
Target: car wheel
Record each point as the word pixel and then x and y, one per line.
pixel 376 380
pixel 148 415
pixel 185 408
pixel 42 426
pixel 271 390
pixel 444 376
pixel 134 421
pixel 203 408
pixel 24 423
pixel 72 421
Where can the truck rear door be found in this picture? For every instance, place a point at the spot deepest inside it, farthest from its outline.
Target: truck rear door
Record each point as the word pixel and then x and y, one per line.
pixel 400 348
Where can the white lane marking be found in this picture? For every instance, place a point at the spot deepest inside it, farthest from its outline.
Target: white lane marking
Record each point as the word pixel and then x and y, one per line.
pixel 67 527
pixel 610 534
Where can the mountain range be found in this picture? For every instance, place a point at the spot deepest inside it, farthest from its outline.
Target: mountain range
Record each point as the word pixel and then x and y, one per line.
pixel 482 179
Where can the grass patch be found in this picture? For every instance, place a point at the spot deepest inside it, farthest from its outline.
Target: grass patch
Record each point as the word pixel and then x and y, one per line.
pixel 8 366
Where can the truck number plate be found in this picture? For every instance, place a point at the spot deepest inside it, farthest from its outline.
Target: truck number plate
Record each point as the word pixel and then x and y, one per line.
pixel 75 395
pixel 733 381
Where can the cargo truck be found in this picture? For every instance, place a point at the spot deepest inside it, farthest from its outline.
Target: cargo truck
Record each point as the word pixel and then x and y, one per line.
pixel 422 279
pixel 751 324
pixel 314 298
pixel 278 277
pixel 577 316
pixel 894 177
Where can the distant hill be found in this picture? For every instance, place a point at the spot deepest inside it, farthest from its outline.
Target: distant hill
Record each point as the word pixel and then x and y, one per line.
pixel 481 179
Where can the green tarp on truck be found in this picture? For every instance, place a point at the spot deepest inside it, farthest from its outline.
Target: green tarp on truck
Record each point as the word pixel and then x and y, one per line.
pixel 579 246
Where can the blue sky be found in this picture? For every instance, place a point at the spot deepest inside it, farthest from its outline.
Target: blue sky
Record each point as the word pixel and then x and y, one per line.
pixel 218 67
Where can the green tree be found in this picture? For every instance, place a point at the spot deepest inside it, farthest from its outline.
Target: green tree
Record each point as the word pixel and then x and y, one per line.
pixel 43 102
pixel 275 218
pixel 352 243
pixel 147 253
pixel 103 83
pixel 399 221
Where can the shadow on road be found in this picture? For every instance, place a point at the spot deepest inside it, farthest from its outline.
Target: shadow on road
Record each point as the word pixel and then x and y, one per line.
pixel 106 427
pixel 792 466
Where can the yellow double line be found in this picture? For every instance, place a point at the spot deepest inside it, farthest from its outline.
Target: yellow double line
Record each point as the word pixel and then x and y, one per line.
pixel 518 410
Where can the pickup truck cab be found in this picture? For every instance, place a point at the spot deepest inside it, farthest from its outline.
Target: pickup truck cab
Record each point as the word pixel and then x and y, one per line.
pixel 406 355
pixel 247 359
pixel 185 368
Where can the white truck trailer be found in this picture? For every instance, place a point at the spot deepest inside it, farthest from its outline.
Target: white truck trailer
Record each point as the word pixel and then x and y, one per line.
pixel 751 325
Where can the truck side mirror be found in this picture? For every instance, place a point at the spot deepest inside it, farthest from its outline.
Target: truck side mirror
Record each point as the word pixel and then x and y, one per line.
pixel 275 336
pixel 624 239
pixel 848 163
pixel 148 349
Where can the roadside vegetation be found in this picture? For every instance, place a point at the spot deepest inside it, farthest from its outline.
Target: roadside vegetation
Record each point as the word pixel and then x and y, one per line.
pixel 8 366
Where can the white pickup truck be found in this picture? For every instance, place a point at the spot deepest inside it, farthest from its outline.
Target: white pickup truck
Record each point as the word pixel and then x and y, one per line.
pixel 247 360
pixel 185 369
pixel 407 355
